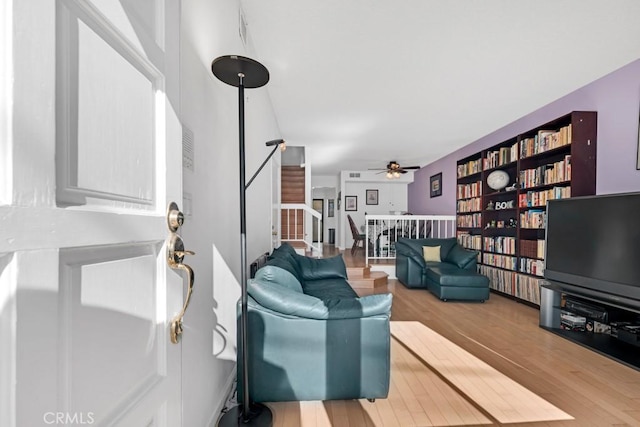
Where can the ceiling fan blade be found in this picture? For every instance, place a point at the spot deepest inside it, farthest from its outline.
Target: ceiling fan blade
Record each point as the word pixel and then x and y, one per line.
pixel 411 167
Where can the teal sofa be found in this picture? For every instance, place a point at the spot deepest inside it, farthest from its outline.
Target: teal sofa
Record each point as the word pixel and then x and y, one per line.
pixel 454 277
pixel 310 337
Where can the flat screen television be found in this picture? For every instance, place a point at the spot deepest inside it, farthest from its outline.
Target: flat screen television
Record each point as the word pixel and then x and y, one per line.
pixel 593 244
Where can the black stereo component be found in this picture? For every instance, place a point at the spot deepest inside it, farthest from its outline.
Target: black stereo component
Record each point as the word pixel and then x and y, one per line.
pixel 586 309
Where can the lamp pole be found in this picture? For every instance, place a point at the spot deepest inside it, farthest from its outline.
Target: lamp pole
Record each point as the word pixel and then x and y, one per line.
pixel 243 72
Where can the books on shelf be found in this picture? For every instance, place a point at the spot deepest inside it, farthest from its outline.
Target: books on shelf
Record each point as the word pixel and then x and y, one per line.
pixel 539 198
pixel 465 191
pixel 471 220
pixel 470 241
pixel 502 261
pixel 547 174
pixel 500 157
pixel 545 140
pixel 469 168
pixel 532 266
pixel 532 248
pixel 507 227
pixel 535 218
pixel 500 244
pixel 509 282
pixel 469 205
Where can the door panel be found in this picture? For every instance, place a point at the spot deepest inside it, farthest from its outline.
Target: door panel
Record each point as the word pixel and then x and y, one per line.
pixel 86 296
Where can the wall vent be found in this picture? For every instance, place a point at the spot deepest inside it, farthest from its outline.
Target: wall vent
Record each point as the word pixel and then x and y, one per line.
pixel 354 174
pixel 188 149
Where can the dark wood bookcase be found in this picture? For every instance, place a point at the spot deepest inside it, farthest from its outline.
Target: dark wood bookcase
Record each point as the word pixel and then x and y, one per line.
pixel 554 160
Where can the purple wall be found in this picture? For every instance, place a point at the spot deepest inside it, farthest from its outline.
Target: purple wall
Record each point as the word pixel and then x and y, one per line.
pixel 616 98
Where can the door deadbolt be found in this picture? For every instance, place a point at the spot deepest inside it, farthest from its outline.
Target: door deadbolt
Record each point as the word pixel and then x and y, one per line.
pixel 175 218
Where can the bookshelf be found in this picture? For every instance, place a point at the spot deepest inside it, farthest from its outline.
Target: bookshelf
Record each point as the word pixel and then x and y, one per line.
pixel 552 161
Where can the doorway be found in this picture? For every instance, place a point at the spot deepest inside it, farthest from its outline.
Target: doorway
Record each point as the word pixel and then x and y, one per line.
pixel 318 205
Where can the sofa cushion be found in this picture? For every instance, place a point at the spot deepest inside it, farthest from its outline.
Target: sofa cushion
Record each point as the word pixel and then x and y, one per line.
pixel 329 288
pixel 460 256
pixel 286 263
pixel 321 268
pixel 280 276
pixel 431 253
pixel 450 275
pixel 282 300
pixel 417 244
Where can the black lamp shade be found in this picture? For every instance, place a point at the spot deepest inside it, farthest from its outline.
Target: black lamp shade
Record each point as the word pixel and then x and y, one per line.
pixel 227 68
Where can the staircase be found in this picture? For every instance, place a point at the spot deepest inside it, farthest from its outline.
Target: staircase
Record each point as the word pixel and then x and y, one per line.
pixel 364 278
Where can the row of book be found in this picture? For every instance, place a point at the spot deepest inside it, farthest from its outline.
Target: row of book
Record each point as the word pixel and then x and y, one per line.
pixel 500 244
pixel 470 241
pixel 469 168
pixel 539 198
pixel 469 205
pixel 501 156
pixel 512 283
pixel 471 220
pixel 502 261
pixel 532 266
pixel 469 190
pixel 532 248
pixel 533 219
pixel 547 174
pixel 545 140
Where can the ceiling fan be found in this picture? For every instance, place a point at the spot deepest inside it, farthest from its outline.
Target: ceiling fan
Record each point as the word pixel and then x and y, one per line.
pixel 394 169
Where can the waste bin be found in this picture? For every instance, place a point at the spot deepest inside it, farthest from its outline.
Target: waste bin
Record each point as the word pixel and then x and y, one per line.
pixel 332 236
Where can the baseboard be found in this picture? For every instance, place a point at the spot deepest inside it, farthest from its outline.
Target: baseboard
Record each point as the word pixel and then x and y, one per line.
pixel 228 387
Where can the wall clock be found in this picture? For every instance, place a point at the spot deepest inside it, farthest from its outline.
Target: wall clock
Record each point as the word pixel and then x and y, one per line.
pixel 497 180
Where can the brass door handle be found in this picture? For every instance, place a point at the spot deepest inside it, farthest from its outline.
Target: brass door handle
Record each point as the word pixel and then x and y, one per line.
pixel 175 255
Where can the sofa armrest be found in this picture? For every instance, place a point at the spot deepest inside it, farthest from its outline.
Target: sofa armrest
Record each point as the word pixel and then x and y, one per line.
pixel 286 301
pixel 411 248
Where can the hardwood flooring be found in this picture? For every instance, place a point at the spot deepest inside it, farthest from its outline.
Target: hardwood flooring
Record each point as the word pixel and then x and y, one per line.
pixel 504 334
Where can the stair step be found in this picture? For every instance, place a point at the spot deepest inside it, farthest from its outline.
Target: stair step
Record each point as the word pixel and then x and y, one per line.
pixel 358 272
pixel 375 279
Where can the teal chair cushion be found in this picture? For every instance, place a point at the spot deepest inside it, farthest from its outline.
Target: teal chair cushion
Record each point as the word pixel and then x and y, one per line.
pixel 322 268
pixel 280 276
pixel 460 256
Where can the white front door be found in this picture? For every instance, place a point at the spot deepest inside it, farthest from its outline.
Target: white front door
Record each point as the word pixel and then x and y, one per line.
pixel 90 157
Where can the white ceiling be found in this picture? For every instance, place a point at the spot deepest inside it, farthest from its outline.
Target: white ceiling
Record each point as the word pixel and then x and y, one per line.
pixel 363 82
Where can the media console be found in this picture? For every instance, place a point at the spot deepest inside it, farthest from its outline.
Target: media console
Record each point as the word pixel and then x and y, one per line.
pixel 606 310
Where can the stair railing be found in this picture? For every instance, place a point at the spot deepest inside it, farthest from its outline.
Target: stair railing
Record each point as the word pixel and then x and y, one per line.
pixel 297 223
pixel 384 230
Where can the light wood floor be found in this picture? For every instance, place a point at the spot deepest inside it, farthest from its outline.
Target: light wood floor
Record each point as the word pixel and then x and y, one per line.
pixel 503 333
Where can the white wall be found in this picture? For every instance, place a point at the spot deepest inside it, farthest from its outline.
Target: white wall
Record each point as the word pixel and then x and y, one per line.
pixel 210 109
pixel 326 188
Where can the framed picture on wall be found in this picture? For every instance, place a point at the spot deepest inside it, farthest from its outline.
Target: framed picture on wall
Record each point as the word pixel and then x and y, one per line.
pixel 435 185
pixel 372 197
pixel 350 203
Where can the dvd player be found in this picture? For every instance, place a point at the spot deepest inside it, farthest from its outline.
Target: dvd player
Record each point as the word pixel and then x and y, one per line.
pixel 591 311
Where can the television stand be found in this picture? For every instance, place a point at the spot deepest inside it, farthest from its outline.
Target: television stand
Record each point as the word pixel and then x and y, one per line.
pixel 552 297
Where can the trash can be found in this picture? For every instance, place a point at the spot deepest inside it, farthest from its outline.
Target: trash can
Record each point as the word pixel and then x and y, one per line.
pixel 332 236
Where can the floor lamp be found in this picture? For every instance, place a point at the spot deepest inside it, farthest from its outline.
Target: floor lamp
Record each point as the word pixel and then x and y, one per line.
pixel 244 73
